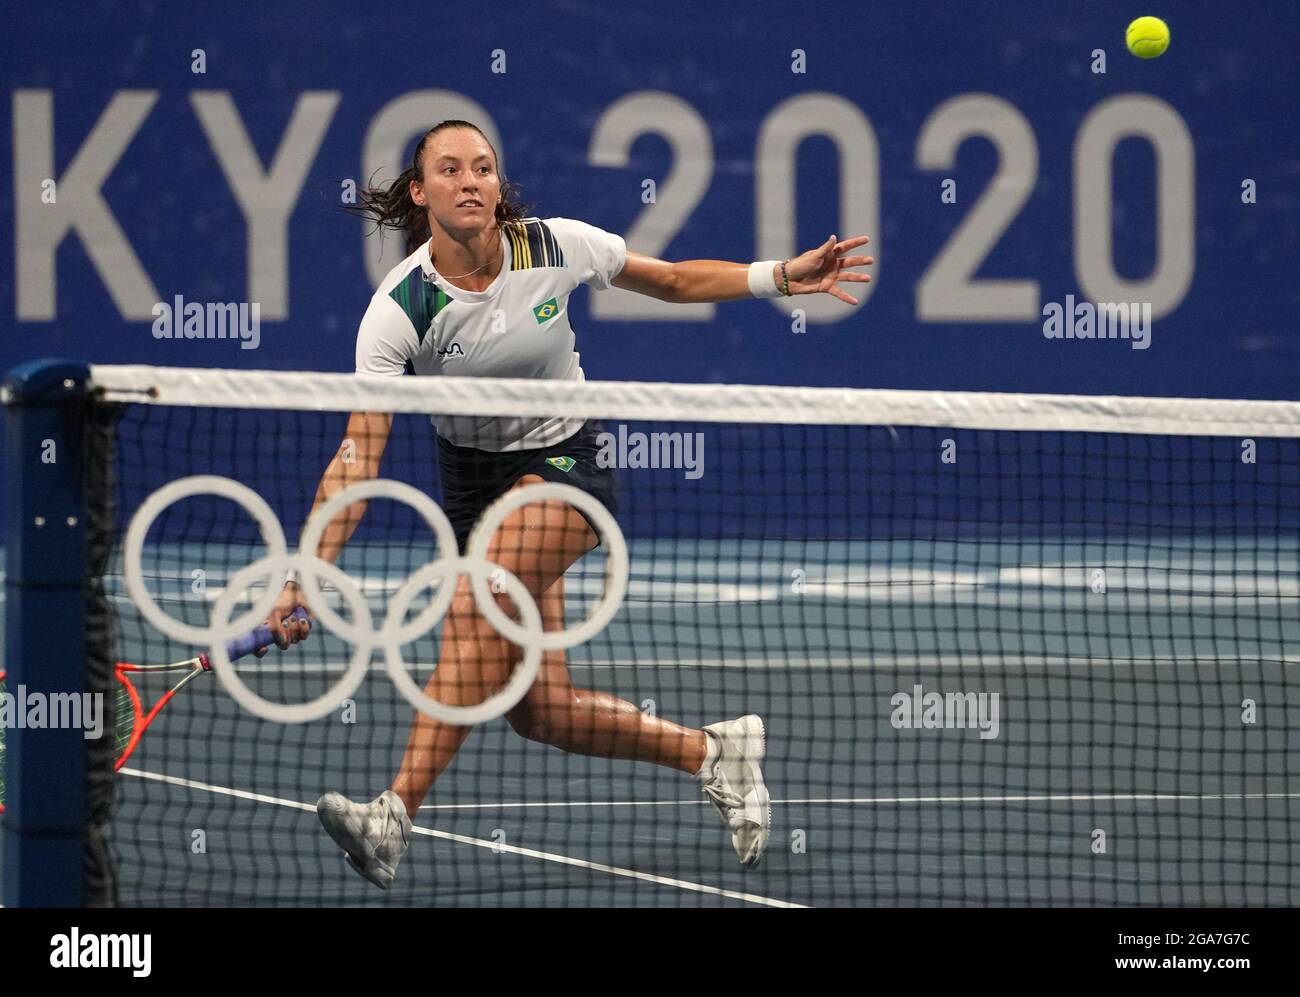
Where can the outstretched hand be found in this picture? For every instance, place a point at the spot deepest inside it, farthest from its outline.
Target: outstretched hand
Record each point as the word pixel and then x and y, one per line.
pixel 823 268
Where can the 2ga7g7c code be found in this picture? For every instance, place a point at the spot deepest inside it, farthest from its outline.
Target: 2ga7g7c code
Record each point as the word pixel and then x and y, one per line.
pixel 1208 939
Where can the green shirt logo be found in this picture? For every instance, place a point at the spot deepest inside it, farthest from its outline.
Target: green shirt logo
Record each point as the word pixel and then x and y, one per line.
pixel 546 311
pixel 565 464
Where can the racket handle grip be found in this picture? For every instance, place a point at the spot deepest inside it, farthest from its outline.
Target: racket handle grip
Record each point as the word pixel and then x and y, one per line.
pixel 258 638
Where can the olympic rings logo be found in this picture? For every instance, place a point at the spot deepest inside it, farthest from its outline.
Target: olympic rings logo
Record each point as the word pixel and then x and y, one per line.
pixel 360 631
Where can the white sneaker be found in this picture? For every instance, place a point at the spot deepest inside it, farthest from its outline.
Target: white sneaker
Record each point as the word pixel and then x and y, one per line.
pixel 735 785
pixel 373 836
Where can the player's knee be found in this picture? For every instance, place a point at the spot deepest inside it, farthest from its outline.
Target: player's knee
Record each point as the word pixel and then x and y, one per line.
pixel 524 721
pixel 545 715
pixel 467 605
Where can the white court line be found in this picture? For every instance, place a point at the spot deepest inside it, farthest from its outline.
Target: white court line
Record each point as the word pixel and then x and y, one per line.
pixel 953 658
pixel 495 846
pixel 1053 798
pixel 947 659
pixel 873 800
pixel 531 804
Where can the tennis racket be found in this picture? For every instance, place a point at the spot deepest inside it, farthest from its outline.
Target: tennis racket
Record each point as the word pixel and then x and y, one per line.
pixel 131 717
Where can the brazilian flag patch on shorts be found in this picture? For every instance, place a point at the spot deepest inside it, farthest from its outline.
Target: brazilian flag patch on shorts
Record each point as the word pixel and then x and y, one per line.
pixel 546 311
pixel 565 464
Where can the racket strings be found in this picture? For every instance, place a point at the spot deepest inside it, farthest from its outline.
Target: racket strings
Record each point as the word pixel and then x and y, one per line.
pixel 130 718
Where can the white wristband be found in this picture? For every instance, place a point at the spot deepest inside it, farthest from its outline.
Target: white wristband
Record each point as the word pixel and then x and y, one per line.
pixel 762 279
pixel 292 576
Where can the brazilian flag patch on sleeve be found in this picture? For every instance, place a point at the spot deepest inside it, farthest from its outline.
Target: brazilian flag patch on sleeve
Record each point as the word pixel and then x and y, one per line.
pixel 546 311
pixel 565 464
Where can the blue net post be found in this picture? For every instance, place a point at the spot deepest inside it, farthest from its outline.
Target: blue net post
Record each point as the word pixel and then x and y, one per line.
pixel 44 535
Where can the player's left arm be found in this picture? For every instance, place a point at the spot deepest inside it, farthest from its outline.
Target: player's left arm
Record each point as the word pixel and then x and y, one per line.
pixel 818 270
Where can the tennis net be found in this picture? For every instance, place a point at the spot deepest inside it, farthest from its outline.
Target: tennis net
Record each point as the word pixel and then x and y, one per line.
pixel 1007 649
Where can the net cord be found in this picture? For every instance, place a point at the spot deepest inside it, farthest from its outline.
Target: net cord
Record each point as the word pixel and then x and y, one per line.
pixel 729 403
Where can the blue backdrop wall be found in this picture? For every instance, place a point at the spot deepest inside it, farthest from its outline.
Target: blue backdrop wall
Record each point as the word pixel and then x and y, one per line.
pixel 203 150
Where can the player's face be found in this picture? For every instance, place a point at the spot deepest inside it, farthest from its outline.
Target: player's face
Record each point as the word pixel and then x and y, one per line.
pixel 460 185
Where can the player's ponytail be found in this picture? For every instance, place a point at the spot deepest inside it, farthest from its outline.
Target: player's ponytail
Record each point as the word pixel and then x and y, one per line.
pixel 391 206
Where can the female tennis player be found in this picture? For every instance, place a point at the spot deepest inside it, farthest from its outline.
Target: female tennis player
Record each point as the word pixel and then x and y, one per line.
pixel 484 293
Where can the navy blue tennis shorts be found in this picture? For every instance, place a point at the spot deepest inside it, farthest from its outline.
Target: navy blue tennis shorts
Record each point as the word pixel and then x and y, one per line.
pixel 472 479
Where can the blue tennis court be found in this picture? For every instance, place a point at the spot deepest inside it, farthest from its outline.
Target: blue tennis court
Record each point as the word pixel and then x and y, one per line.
pixel 1119 712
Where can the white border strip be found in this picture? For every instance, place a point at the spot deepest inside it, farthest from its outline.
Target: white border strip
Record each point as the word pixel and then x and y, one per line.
pixel 731 403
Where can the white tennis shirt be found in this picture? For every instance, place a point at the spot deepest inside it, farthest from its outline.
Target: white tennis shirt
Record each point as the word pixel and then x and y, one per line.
pixel 418 323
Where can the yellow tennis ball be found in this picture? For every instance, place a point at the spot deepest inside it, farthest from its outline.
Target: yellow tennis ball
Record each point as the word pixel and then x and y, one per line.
pixel 1147 37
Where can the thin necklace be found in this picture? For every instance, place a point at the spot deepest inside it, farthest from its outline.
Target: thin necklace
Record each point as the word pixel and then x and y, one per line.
pixel 461 276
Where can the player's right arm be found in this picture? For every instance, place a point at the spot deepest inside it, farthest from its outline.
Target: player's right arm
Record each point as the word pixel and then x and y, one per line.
pixel 357 459
pixel 385 342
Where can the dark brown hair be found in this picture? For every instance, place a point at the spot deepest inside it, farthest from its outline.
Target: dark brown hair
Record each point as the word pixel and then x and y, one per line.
pixel 392 207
